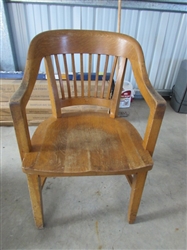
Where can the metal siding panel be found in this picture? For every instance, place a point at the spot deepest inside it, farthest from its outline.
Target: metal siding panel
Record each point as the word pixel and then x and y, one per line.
pixel 88 13
pixel 20 32
pixel 161 34
pixel 53 16
pixel 178 51
pixel 158 47
pixel 7 62
pixel 168 48
pixel 44 17
pixel 102 17
pixel 76 17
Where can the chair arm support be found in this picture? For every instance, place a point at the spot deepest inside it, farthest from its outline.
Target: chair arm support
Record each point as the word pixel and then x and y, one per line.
pixel 157 107
pixel 19 117
pixel 156 103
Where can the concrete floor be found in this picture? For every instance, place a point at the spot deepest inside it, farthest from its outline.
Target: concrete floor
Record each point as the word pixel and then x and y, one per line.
pixel 90 212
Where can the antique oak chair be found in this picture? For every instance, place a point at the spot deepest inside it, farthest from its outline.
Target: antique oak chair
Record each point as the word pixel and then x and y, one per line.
pixel 85 143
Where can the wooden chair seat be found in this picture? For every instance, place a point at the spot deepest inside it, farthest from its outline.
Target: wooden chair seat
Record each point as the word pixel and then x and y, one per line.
pixel 86 144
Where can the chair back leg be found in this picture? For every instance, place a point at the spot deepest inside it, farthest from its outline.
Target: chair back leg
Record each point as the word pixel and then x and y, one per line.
pixel 136 194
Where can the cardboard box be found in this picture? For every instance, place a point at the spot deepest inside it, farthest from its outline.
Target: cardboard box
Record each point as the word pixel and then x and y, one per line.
pixel 92 88
pixel 9 87
pixel 33 107
pixel 30 123
pixel 5 118
pixel 4 108
pixel 40 91
pixel 39 106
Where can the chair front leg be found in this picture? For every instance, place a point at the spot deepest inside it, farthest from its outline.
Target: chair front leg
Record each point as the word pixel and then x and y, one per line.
pixel 34 185
pixel 136 194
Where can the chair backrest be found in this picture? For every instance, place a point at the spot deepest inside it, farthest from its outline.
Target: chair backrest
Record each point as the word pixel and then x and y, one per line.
pixel 63 50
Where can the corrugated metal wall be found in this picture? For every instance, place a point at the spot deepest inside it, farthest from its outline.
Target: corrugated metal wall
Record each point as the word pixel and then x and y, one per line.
pixel 162 35
pixel 6 62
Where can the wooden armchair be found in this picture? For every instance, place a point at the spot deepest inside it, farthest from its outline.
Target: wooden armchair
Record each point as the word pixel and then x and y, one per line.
pixel 85 143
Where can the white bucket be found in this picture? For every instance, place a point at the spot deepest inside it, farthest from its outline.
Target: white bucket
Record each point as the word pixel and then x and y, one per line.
pixel 127 95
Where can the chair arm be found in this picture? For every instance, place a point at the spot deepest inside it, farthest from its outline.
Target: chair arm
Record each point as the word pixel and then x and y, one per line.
pixel 18 104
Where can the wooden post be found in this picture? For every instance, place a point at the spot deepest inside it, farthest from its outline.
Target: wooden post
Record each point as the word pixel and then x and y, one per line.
pixel 118 30
pixel 119 16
